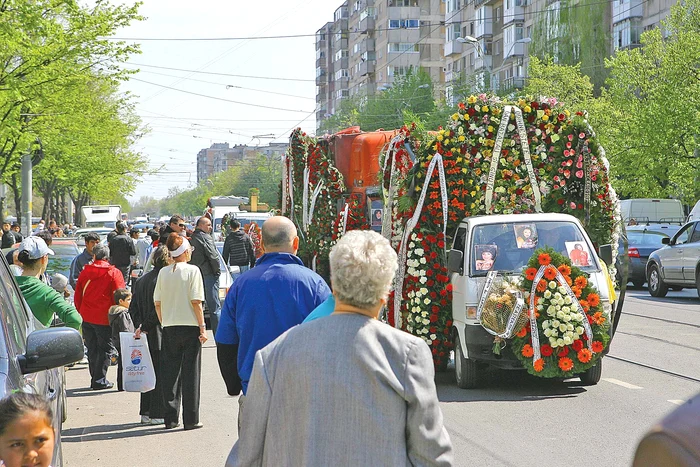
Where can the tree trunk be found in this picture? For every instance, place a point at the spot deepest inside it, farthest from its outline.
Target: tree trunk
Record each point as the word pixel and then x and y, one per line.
pixel 17 194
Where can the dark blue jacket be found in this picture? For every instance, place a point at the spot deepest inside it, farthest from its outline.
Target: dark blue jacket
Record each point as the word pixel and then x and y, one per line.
pixel 278 293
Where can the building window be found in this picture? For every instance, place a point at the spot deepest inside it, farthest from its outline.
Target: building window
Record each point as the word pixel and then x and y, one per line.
pixel 403 24
pixel 402 47
pixel 356 48
pixel 368 12
pixel 340 55
pixel 398 70
pixel 342 74
pixel 403 3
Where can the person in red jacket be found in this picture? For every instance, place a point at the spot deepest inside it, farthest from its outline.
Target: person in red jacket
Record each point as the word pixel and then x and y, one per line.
pixel 94 295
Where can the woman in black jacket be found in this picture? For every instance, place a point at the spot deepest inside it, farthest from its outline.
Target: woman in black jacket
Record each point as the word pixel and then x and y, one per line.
pixel 143 313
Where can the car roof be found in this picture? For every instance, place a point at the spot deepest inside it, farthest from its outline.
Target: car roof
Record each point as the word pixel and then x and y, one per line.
pixel 520 218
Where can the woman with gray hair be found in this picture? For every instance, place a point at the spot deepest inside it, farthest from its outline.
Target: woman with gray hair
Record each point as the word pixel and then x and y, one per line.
pixel 94 296
pixel 360 392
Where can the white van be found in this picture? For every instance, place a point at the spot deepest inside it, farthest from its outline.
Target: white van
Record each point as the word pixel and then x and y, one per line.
pixel 694 213
pixel 102 216
pixel 497 234
pixel 652 211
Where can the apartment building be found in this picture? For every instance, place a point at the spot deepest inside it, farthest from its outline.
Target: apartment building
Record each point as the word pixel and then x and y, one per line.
pixel 487 42
pixel 220 157
pixel 373 43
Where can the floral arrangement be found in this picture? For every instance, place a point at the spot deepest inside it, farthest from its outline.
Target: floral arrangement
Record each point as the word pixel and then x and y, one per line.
pixel 312 171
pixel 255 233
pixel 565 349
pixel 503 313
pixel 541 145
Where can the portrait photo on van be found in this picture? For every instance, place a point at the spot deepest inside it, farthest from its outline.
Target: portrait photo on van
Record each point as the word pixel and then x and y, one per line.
pixel 525 235
pixel 578 253
pixel 485 256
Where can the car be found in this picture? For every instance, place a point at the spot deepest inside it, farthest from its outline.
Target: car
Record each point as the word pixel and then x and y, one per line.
pixel 677 264
pixel 79 235
pixel 142 226
pixel 65 250
pixel 642 241
pixel 32 359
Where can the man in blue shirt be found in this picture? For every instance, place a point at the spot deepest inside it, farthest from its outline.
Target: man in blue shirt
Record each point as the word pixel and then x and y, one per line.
pixel 264 302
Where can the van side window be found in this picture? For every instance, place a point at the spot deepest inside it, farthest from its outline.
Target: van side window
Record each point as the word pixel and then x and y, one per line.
pixel 460 239
pixel 683 235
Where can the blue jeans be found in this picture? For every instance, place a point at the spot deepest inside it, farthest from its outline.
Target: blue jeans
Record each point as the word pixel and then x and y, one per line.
pixel 211 295
pixel 243 269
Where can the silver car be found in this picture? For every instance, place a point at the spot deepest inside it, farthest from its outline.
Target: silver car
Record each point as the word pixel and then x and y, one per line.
pixel 677 264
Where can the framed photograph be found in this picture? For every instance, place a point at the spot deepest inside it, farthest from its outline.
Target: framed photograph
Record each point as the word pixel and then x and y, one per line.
pixel 485 256
pixel 578 253
pixel 376 217
pixel 525 235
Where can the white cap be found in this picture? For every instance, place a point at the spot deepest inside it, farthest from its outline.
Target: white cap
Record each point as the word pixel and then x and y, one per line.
pixel 36 246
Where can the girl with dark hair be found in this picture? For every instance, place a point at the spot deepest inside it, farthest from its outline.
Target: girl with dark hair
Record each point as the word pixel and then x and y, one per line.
pixel 143 313
pixel 27 434
pixel 178 298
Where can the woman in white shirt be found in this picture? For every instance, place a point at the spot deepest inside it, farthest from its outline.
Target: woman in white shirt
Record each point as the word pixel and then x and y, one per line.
pixel 178 298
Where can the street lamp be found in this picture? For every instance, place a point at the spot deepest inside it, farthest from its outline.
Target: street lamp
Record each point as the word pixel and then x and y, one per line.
pixel 524 40
pixel 480 53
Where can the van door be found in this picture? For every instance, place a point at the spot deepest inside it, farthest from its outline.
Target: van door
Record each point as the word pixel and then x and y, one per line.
pixel 459 281
pixel 672 257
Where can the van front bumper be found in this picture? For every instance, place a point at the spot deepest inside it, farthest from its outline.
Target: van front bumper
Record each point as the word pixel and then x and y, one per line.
pixel 480 348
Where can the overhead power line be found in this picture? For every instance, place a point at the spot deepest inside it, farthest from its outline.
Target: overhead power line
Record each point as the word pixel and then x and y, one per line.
pixel 217 98
pixel 220 74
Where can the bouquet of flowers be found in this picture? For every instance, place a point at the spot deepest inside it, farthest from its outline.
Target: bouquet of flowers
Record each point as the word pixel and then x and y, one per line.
pixel 501 310
pixel 568 328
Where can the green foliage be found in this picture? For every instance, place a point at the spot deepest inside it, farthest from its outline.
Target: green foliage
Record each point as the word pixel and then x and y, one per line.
pixel 260 172
pixel 655 94
pixel 574 33
pixel 564 82
pixel 59 85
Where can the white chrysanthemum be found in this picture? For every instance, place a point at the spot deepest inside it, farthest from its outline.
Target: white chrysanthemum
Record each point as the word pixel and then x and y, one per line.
pixel 552 285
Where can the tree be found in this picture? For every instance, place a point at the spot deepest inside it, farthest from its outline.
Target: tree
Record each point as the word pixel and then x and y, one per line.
pixel 655 89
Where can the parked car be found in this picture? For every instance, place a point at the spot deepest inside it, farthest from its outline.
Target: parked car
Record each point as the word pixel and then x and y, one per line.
pixel 638 211
pixel 642 241
pixel 677 264
pixel 65 251
pixel 32 359
pixel 80 235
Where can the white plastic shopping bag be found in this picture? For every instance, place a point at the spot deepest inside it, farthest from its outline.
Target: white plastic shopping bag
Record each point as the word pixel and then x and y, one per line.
pixel 137 366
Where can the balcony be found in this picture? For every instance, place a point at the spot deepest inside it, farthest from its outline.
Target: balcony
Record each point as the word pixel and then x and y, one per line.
pixel 366 24
pixel 367 67
pixel 321 62
pixel 514 13
pixel 453 48
pixel 515 49
pixel 627 9
pixel 341 64
pixel 514 82
pixel 367 45
pixel 403 35
pixel 322 44
pixel 483 62
pixel 321 80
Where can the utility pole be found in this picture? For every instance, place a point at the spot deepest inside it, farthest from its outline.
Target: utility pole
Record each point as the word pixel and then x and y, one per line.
pixel 27 193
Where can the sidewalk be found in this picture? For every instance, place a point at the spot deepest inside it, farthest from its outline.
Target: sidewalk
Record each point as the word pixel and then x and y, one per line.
pixel 103 427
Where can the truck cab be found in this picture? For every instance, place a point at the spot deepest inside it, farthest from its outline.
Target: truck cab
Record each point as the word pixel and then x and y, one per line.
pixel 505 243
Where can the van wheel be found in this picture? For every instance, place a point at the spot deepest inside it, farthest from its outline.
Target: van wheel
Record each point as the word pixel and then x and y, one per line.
pixel 697 282
pixel 466 370
pixel 591 376
pixel 657 287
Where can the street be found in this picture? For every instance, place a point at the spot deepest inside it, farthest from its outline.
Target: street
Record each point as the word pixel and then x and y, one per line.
pixel 513 419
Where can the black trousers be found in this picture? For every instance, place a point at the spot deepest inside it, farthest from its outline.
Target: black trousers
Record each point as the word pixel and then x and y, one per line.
pixel 98 340
pixel 181 370
pixel 125 270
pixel 152 401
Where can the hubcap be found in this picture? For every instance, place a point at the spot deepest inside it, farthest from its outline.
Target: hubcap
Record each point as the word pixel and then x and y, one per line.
pixel 654 279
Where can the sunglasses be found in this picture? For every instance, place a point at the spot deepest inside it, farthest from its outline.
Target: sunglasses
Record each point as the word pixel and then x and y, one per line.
pixel 182 225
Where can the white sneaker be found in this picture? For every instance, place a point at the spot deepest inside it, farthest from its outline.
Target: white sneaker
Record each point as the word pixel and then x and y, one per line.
pixel 84 361
pixel 146 420
pixel 157 421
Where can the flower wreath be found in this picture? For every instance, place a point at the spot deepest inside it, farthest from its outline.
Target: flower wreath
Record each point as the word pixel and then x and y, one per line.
pixel 564 347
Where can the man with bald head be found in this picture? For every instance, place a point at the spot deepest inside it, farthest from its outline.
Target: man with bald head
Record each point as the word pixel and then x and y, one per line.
pixel 278 293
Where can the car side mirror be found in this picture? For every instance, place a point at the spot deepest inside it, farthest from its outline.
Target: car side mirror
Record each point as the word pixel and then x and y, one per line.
pixel 455 262
pixel 666 240
pixel 605 252
pixel 51 348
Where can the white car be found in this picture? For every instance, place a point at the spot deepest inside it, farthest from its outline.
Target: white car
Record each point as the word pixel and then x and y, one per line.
pixel 468 268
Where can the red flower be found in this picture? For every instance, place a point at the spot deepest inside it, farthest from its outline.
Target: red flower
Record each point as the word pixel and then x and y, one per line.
pixel 584 355
pixel 530 274
pixel 566 364
pixel 546 350
pixel 544 259
pixel 577 345
pixel 527 351
pixel 433 318
pixel 597 346
pixel 550 273
pixel 522 332
pixel 563 352
pixel 449 287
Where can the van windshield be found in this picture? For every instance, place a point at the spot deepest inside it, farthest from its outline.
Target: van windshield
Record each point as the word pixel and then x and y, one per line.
pixel 507 247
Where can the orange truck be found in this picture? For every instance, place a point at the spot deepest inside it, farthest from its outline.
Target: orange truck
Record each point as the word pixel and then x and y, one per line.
pixel 356 155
